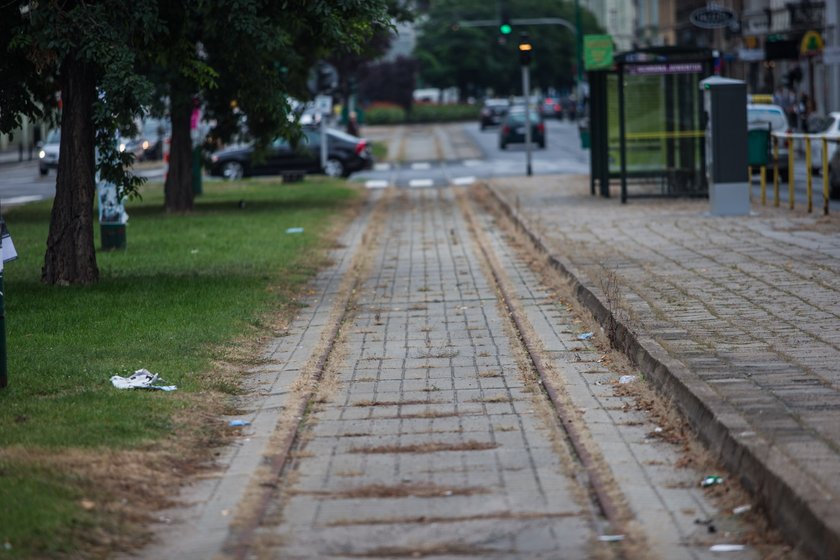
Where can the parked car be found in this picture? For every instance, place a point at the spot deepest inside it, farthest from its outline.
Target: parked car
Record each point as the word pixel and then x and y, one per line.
pixel 513 128
pixel 763 116
pixel 48 152
pixel 493 112
pixel 551 108
pixel 148 144
pixel 345 155
pixel 826 127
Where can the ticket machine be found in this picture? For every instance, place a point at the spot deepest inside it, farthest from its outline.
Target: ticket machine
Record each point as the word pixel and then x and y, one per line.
pixel 725 108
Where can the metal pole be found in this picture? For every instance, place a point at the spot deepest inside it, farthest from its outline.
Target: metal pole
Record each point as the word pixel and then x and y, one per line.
pixel 324 142
pixel 526 91
pixel 579 45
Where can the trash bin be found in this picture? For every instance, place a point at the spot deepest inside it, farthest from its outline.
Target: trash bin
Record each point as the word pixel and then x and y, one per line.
pixel 758 147
pixel 584 137
pixel 196 170
pixel 113 236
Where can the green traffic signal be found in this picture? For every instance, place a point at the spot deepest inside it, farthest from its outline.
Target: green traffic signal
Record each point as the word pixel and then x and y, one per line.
pixel 505 29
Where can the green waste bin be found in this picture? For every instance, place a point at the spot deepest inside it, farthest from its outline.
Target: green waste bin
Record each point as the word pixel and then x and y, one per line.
pixel 584 137
pixel 113 236
pixel 758 147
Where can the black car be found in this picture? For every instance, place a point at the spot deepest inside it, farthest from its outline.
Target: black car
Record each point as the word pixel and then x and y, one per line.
pixel 345 154
pixel 513 128
pixel 148 144
pixel 493 111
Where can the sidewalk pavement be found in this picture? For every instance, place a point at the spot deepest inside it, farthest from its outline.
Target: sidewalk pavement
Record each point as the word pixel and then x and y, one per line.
pixel 736 318
pixel 12 155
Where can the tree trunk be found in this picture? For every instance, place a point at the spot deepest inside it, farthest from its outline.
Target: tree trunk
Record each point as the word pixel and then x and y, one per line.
pixel 71 256
pixel 178 188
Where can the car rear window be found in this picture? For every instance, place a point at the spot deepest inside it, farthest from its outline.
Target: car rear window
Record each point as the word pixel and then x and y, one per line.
pixel 759 117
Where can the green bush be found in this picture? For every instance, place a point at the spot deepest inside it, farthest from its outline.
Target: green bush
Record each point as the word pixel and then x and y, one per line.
pixel 425 113
pixel 381 113
pixel 385 114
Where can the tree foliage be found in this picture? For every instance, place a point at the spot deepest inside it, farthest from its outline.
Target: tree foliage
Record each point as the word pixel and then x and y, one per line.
pixel 111 61
pixel 474 59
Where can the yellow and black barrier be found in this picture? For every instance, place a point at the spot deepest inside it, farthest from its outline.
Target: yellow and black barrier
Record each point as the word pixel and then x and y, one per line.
pixel 788 138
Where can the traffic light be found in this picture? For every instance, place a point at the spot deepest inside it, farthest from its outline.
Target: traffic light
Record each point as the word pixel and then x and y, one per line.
pixel 525 49
pixel 505 27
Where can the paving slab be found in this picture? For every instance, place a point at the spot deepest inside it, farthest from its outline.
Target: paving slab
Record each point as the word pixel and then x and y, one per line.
pixel 735 317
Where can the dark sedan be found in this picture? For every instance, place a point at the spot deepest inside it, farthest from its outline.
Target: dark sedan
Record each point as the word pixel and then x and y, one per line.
pixel 513 128
pixel 345 155
pixel 493 111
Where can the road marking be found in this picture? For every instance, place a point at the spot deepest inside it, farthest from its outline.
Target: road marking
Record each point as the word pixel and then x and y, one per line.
pixel 463 180
pixel 381 166
pixel 472 162
pixel 421 183
pixel 376 184
pixel 23 199
pixel 421 165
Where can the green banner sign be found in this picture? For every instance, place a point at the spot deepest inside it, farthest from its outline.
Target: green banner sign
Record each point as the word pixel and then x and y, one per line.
pixel 597 52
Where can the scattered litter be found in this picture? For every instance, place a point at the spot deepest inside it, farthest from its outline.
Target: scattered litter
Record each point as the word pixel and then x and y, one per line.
pixel 699 521
pixel 141 379
pixel 7 545
pixel 727 547
pixel 294 230
pixel 193 251
pixel 711 480
pixel 238 423
pixel 585 336
pixel 225 512
pixel 658 430
pixel 741 509
pixel 747 434
pixel 448 493
pixel 87 505
pixel 611 538
pixel 625 379
pixel 712 528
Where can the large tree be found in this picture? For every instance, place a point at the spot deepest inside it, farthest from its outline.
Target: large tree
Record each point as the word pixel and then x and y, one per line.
pixel 85 51
pixel 258 54
pixel 106 58
pixel 476 58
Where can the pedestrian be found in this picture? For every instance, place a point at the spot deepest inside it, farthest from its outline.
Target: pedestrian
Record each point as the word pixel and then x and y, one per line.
pixel 352 124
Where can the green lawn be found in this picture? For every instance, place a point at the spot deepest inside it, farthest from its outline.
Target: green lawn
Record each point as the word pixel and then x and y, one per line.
pixel 182 297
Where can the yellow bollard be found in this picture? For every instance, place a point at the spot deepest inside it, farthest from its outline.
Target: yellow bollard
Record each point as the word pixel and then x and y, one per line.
pixel 790 173
pixel 809 187
pixel 749 180
pixel 775 172
pixel 825 175
pixel 763 185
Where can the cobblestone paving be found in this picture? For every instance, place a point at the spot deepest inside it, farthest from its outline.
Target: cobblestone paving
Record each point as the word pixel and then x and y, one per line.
pixel 751 305
pixel 431 444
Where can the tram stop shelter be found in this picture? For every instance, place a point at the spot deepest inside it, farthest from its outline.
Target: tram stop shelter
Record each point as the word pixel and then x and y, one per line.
pixel 646 122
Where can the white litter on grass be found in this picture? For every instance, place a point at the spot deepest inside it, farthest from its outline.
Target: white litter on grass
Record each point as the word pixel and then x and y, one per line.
pixel 611 538
pixel 741 509
pixel 727 547
pixel 585 336
pixel 141 379
pixel 294 230
pixel 625 379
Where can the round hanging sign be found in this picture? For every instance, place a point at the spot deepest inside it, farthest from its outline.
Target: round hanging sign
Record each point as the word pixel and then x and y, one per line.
pixel 712 17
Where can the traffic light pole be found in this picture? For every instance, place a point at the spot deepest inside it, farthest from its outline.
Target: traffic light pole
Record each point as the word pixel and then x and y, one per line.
pixel 526 91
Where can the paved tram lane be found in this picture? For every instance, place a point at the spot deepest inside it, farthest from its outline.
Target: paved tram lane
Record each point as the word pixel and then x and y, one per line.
pixel 431 444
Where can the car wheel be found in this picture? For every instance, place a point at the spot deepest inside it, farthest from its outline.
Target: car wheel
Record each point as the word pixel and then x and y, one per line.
pixel 542 145
pixel 502 146
pixel 43 171
pixel 233 170
pixel 334 168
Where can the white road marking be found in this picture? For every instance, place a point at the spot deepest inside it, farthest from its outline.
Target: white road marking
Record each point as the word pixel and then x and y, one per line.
pixel 376 184
pixel 472 162
pixel 421 165
pixel 421 183
pixel 381 166
pixel 463 180
pixel 22 199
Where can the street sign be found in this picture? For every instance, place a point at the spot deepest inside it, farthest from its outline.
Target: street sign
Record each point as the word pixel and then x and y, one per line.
pixel 712 17
pixel 812 44
pixel 597 52
pixel 323 104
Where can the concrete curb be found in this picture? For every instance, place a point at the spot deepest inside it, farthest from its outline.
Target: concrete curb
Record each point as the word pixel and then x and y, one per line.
pixel 794 502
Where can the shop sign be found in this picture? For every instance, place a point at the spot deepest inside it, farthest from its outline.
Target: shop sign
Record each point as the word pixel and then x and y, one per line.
pixel 712 17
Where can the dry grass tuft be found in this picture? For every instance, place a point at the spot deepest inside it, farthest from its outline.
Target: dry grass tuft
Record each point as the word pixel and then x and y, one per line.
pixel 431 447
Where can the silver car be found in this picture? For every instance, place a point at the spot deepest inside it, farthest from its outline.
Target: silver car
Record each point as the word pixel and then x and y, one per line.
pixel 48 152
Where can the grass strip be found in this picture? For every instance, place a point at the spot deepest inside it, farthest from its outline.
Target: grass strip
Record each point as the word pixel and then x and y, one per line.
pixel 182 300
